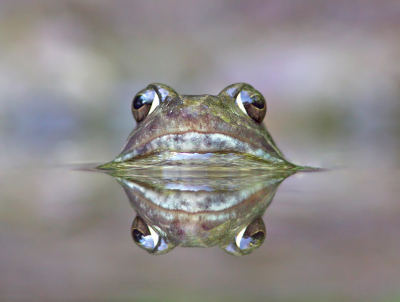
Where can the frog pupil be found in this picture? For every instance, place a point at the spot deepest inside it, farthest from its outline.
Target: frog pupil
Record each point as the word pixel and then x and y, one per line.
pixel 143 98
pixel 146 241
pixel 253 99
pixel 256 238
pixel 138 236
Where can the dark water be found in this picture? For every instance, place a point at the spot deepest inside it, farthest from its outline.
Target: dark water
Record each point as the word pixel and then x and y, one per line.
pixel 329 236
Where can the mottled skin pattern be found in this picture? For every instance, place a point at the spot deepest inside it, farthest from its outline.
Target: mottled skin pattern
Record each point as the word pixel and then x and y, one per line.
pixel 199 114
pixel 221 134
pixel 200 227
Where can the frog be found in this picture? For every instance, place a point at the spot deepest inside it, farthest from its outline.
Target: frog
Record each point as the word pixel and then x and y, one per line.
pixel 198 210
pixel 224 131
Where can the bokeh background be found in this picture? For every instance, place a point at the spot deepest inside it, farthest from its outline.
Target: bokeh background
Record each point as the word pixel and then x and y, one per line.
pixel 330 72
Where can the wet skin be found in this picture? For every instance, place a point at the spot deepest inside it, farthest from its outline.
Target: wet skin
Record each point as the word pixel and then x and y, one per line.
pixel 199 210
pixel 220 135
pixel 223 130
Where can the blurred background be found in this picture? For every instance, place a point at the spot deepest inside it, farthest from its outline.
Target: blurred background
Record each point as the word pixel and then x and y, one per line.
pixel 330 72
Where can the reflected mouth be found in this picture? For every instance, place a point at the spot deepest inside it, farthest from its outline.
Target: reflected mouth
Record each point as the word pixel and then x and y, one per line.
pixel 198 143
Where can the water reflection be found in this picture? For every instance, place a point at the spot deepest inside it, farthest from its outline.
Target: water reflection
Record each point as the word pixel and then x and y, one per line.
pixel 178 207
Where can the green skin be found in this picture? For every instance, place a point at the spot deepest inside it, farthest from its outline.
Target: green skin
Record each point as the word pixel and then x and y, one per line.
pixel 192 210
pixel 207 131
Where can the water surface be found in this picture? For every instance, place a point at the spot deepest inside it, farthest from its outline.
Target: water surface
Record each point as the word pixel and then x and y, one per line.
pixel 330 235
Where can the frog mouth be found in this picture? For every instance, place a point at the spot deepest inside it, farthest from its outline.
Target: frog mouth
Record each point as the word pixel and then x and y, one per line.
pixel 197 143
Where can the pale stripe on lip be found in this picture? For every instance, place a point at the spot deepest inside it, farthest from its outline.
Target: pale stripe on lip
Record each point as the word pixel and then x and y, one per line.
pixel 190 201
pixel 195 142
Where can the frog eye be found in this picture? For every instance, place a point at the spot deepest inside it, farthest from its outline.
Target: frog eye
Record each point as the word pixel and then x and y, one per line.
pixel 144 235
pixel 248 239
pixel 248 99
pixel 144 103
pixel 148 239
pixel 251 237
pixel 252 103
pixel 146 100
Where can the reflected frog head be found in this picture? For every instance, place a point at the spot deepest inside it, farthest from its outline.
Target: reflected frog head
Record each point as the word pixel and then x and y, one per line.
pixel 236 243
pixel 199 211
pixel 176 135
pixel 224 130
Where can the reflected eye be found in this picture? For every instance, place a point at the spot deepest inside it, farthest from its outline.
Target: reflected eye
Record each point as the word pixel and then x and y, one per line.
pixel 247 240
pixel 251 102
pixel 144 103
pixel 143 235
